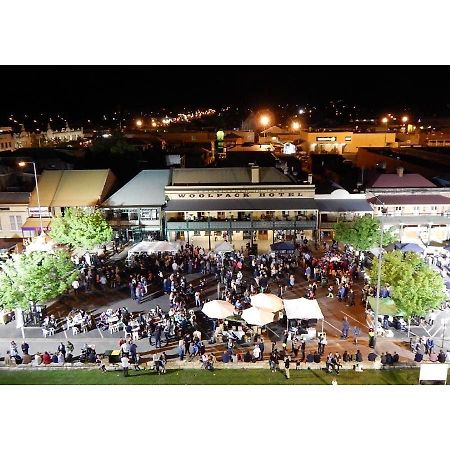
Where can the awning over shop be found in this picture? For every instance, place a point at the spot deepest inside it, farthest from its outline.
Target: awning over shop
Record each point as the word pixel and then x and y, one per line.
pixel 344 205
pixel 33 223
pixel 242 204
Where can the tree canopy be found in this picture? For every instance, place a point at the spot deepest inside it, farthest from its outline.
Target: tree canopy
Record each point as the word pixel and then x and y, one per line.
pixel 35 276
pixel 81 228
pixel 415 287
pixel 115 144
pixel 363 233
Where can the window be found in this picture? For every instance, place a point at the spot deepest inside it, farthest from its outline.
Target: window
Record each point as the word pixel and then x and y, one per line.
pixel 15 222
pixel 348 138
pixel 149 214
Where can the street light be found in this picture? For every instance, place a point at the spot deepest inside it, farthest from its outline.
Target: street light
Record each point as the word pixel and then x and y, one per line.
pixel 405 120
pixel 296 126
pixel 139 123
pixel 444 323
pixel 385 120
pixel 380 262
pixel 22 164
pixel 264 120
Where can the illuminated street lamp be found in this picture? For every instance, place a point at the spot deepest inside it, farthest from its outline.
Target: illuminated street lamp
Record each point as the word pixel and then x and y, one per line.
pixel 22 164
pixel 405 120
pixel 139 123
pixel 296 126
pixel 385 120
pixel 264 120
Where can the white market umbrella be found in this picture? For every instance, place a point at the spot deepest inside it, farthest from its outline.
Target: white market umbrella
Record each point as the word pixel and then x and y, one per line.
pixel 224 247
pixel 256 316
pixel 218 309
pixel 268 302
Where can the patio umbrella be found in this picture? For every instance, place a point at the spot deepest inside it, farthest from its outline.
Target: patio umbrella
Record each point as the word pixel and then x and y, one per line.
pixel 218 309
pixel 268 302
pixel 257 316
pixel 224 247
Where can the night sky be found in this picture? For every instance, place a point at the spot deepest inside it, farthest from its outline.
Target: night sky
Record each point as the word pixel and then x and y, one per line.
pixel 86 90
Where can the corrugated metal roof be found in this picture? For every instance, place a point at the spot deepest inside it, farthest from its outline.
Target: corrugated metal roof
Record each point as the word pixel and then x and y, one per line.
pixel 407 180
pixel 410 200
pixel 145 189
pixel 243 204
pixel 66 188
pixel 344 205
pixel 227 176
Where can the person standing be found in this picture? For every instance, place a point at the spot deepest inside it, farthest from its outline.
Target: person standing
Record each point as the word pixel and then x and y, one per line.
pixel 261 348
pixel 345 327
pixel 356 333
pixel 158 330
pixel 429 345
pixel 287 361
pixel 351 297
pixel 125 365
pixel 303 348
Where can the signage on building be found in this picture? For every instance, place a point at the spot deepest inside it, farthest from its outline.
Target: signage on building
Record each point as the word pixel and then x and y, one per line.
pixel 238 195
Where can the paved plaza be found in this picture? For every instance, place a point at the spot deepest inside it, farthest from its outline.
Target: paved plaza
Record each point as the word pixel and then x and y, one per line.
pixel 98 301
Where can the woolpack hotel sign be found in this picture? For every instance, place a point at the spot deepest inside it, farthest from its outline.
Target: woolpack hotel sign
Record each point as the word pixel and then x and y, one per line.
pixel 222 195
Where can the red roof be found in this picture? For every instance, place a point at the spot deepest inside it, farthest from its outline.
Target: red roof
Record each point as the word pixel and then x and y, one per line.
pixel 408 180
pixel 410 200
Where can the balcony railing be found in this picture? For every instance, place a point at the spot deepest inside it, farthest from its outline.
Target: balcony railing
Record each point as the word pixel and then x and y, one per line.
pixel 240 225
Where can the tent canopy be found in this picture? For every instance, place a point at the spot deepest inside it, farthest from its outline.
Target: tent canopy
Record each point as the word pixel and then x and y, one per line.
pixel 154 247
pixel 283 246
pixel 302 308
pixel 224 247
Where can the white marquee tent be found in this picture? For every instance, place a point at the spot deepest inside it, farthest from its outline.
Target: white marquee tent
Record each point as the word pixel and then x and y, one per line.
pixel 154 247
pixel 224 247
pixel 302 308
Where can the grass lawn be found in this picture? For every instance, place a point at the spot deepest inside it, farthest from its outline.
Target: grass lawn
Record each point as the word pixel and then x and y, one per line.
pixel 217 377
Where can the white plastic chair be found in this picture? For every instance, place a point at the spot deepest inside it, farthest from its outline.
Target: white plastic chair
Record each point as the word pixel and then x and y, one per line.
pixel 75 330
pixel 45 332
pixel 51 331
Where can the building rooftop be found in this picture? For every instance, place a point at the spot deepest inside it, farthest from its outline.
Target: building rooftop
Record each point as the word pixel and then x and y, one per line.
pixel 407 180
pixel 146 188
pixel 71 188
pixel 416 199
pixel 227 176
pixel 14 198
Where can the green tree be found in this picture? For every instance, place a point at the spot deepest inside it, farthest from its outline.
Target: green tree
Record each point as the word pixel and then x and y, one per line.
pixel 115 144
pixel 36 277
pixel 415 287
pixel 81 228
pixel 363 233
